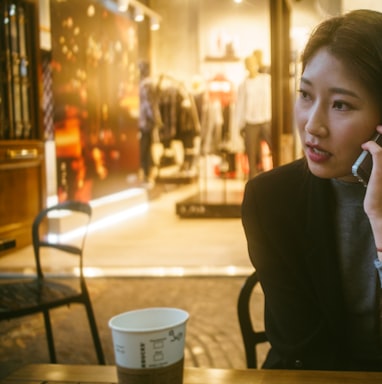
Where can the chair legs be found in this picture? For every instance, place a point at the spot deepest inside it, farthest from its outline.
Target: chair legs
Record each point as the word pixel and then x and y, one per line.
pixel 250 354
pixel 94 330
pixel 49 337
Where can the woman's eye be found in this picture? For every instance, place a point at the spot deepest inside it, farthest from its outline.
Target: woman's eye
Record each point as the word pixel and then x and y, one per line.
pixel 341 106
pixel 304 95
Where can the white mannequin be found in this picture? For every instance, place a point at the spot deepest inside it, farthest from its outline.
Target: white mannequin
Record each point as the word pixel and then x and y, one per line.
pixel 254 111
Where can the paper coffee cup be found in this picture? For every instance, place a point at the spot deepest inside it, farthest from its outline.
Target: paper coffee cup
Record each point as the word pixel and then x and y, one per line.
pixel 149 338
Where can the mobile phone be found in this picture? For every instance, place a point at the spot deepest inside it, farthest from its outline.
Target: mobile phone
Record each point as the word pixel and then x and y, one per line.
pixel 362 166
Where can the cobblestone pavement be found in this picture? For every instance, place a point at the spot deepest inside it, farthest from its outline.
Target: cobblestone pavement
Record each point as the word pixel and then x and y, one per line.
pixel 213 336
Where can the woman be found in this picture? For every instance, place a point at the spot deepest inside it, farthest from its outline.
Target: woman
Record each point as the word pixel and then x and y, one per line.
pixel 314 232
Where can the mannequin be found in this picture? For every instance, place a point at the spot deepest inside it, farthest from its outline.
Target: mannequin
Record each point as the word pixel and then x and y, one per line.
pixel 149 119
pixel 253 110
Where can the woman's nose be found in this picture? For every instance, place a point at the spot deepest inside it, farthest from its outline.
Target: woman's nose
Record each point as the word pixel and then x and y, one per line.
pixel 315 123
pixel 316 130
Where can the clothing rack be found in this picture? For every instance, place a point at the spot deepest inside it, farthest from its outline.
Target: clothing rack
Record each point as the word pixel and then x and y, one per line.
pixel 178 177
pixel 187 94
pixel 209 201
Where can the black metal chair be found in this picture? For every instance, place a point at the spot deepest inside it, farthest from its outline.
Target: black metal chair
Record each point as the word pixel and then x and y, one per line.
pixel 250 337
pixel 42 292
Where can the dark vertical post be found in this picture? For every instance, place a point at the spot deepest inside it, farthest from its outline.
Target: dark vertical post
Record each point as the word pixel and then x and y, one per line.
pixel 280 63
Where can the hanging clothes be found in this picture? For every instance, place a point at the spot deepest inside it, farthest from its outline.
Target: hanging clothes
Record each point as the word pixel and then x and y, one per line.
pixel 169 106
pixel 216 120
pixel 180 118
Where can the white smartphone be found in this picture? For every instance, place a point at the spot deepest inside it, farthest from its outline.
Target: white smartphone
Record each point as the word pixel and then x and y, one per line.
pixel 362 166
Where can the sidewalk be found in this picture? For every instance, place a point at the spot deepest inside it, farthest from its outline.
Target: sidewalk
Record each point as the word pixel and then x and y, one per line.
pixel 156 242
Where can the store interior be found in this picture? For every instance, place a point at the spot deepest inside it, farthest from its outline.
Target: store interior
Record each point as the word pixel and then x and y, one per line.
pixel 195 52
pixel 89 70
pixel 183 221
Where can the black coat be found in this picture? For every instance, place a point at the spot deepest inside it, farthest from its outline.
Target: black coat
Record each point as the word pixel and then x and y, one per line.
pixel 288 218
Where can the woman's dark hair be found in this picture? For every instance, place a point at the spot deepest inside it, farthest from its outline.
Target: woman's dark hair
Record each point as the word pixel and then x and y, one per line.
pixel 356 40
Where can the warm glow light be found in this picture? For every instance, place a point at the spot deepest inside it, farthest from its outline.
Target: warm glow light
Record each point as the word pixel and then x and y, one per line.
pixel 128 193
pixel 102 223
pixel 91 11
pixel 154 25
pixel 219 86
pixel 138 16
pixel 123 5
pixel 90 272
pixel 299 36
pixel 119 217
pixel 162 271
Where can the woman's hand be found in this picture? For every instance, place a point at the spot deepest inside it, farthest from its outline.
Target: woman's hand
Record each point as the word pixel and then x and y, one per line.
pixel 373 198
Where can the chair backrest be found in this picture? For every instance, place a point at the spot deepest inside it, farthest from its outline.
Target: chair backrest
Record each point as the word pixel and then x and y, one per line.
pixel 61 227
pixel 250 337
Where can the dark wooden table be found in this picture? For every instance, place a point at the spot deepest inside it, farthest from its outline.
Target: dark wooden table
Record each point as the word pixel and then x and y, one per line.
pixel 55 373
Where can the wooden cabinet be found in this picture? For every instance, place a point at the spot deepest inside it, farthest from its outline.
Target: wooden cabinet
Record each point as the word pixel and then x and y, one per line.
pixel 22 167
pixel 22 188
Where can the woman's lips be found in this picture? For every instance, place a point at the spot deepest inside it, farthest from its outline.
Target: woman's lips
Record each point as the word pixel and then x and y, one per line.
pixel 317 154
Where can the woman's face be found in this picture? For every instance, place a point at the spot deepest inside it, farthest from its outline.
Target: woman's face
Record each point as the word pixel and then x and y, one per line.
pixel 335 114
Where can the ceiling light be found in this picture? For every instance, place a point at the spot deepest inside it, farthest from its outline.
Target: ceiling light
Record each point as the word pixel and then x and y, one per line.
pixel 154 24
pixel 123 5
pixel 138 15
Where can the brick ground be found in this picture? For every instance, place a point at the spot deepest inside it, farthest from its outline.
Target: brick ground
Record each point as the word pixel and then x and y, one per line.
pixel 213 336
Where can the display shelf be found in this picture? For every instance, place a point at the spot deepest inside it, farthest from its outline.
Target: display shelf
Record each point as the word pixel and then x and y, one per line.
pixel 211 204
pixel 176 178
